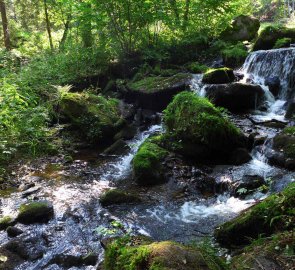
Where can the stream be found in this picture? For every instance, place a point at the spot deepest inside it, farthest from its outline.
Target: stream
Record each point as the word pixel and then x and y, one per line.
pixel 74 189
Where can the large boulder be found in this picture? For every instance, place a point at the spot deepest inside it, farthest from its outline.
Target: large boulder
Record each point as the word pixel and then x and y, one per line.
pixel 148 163
pixel 283 149
pixel 274 214
pixel 236 97
pixel 35 212
pixel 274 85
pixel 219 76
pixel 198 130
pixel 269 36
pixel 96 118
pixel 125 252
pixel 242 28
pixel 155 93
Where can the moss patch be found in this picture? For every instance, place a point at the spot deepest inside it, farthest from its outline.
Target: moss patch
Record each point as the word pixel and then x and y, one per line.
pixel 283 43
pixel 274 214
pixel 147 163
pixel 270 35
pixel 156 84
pixel 94 116
pixel 219 76
pixel 116 196
pixel 35 212
pixel 235 55
pixel 197 129
pixel 121 255
pixel 5 222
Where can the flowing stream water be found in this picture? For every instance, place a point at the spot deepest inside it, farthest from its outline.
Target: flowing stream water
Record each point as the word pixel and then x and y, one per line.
pixel 74 189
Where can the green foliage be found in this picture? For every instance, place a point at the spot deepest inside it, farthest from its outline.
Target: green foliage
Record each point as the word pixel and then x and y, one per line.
pixel 196 67
pixel 191 118
pixel 282 43
pixel 235 55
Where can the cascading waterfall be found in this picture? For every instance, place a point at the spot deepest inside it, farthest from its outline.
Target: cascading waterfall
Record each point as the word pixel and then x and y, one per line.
pixel 279 63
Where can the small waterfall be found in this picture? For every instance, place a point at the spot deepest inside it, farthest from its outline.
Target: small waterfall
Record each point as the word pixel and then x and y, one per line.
pixel 279 63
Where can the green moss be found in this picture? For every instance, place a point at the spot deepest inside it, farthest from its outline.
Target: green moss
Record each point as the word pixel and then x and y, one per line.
pixel 285 142
pixel 274 214
pixel 147 163
pixel 282 43
pixel 219 76
pixel 289 131
pixel 155 84
pixel 95 116
pixel 192 120
pixel 116 196
pixel 35 212
pixel 5 222
pixel 121 254
pixel 271 34
pixel 235 55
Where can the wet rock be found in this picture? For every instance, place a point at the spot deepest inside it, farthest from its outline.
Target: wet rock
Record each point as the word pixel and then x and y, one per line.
pixel 117 196
pixel 13 231
pixel 274 85
pixel 9 260
pixel 24 187
pixel 242 28
pixel 274 214
pixel 240 156
pixel 120 147
pixel 283 152
pixel 163 255
pixel 236 97
pixel 30 249
pixel 35 212
pixel 219 76
pixel 147 117
pixel 155 93
pixel 6 221
pixel 248 184
pixel 126 133
pixel 290 113
pixel 148 163
pixel 30 191
pixel 68 260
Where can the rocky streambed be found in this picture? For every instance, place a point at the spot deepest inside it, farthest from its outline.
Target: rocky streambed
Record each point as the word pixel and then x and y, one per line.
pixel 60 214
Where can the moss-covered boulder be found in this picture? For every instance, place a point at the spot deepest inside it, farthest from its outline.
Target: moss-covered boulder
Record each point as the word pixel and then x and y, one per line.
pixel 269 36
pixel 219 76
pixel 148 163
pixel 276 252
pixel 6 221
pixel 236 97
pixel 242 28
pixel 155 93
pixel 96 117
pixel 35 212
pixel 274 214
pixel 198 130
pixel 117 196
pixel 283 149
pixel 122 255
pixel 283 43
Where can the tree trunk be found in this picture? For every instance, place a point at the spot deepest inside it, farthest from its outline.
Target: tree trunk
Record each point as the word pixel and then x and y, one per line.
pixel 186 14
pixel 48 25
pixel 87 27
pixel 66 31
pixel 6 33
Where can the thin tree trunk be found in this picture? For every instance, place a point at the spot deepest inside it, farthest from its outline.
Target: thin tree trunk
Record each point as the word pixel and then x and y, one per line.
pixel 6 33
pixel 48 25
pixel 186 14
pixel 66 31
